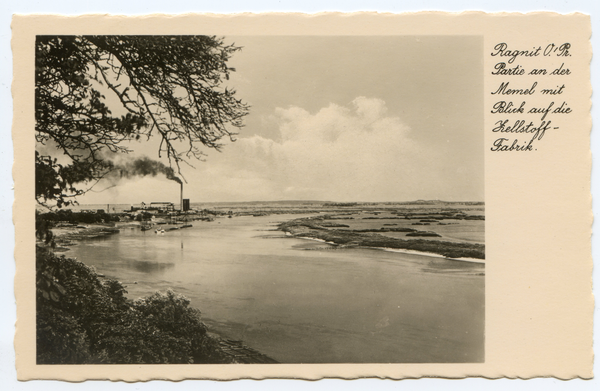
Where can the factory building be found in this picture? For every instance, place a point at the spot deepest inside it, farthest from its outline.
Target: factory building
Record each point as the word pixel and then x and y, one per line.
pixel 154 207
pixel 162 206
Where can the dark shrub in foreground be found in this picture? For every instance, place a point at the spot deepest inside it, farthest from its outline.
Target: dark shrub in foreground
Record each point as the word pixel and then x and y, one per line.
pixel 81 320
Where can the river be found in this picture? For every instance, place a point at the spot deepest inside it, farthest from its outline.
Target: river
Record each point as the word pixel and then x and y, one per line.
pixel 302 301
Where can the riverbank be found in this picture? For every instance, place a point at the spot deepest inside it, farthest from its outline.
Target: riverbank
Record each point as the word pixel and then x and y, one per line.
pixel 65 235
pixel 317 228
pixel 67 336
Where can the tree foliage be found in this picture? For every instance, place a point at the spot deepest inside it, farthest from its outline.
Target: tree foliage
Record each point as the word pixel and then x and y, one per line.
pixel 83 320
pixel 165 86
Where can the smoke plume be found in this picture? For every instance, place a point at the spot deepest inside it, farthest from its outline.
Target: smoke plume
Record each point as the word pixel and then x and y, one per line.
pixel 144 166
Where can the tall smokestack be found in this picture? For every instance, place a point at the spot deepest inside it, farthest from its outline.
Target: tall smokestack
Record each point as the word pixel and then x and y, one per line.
pixel 181 198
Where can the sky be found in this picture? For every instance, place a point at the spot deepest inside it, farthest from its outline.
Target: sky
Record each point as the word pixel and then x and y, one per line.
pixel 348 118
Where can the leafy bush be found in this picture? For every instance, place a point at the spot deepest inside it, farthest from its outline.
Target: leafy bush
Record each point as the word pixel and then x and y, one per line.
pixel 60 338
pixel 81 319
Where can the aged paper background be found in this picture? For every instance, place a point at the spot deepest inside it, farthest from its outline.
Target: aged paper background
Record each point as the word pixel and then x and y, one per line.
pixel 538 320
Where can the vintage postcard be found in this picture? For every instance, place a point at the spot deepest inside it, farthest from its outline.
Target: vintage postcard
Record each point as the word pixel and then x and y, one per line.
pixel 303 196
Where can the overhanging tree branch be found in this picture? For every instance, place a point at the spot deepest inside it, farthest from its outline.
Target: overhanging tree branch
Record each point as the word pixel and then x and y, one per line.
pixel 168 85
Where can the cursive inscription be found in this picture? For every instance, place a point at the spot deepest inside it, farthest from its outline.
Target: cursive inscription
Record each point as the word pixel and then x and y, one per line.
pixel 521 124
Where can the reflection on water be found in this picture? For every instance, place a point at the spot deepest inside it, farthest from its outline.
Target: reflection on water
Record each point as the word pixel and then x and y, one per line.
pixel 451 266
pixel 305 301
pixel 150 267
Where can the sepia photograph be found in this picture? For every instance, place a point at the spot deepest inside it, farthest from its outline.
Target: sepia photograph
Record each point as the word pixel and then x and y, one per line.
pixel 259 199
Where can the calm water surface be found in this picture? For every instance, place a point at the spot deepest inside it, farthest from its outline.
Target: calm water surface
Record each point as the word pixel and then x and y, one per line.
pixel 299 300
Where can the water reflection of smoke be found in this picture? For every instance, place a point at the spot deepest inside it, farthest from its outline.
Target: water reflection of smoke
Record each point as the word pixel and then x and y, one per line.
pixel 150 267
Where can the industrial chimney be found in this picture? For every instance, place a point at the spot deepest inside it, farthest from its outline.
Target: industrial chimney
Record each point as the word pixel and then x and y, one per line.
pixel 181 198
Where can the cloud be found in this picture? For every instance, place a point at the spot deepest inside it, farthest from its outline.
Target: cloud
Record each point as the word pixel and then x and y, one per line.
pixel 339 153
